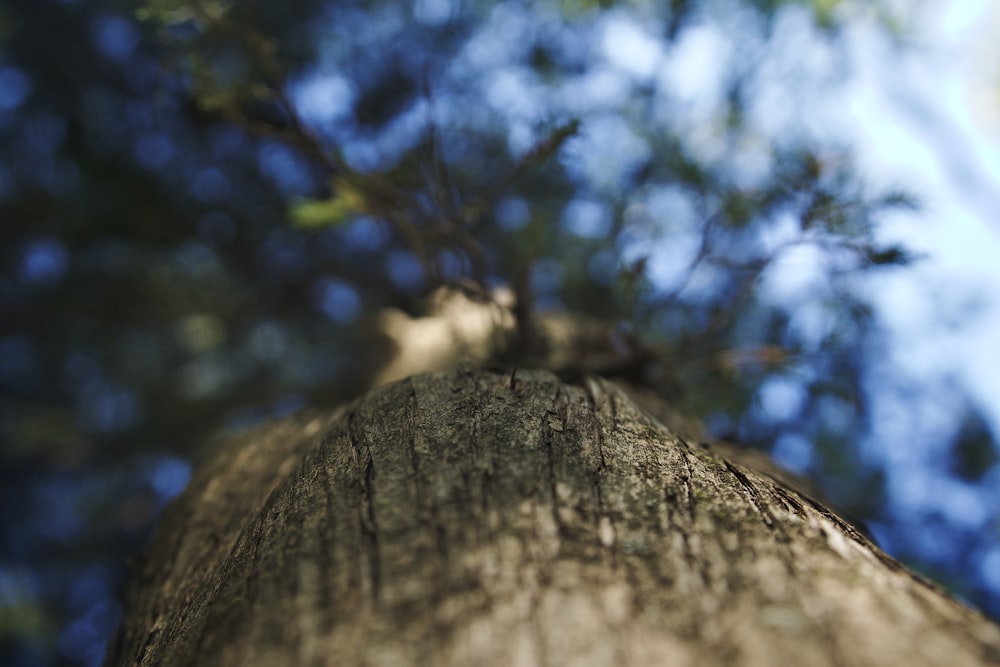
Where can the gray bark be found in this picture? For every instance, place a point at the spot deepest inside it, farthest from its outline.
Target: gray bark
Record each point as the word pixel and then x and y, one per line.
pixel 479 518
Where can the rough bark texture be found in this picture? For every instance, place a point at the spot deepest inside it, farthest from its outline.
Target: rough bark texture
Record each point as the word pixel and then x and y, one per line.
pixel 480 518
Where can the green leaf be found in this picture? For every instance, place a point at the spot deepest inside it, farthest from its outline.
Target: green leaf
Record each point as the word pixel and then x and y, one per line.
pixel 167 12
pixel 347 202
pixel 170 12
pixel 316 213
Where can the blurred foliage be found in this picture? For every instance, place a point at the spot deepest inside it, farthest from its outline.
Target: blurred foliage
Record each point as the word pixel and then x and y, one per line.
pixel 206 202
pixel 974 452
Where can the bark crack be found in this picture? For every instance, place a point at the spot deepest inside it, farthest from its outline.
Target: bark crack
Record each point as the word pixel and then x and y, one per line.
pixel 594 424
pixel 554 419
pixel 686 479
pixel 366 511
pixel 759 504
pixel 691 558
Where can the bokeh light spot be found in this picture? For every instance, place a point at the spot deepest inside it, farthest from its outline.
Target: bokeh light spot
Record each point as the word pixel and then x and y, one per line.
pixel 114 36
pixel 43 261
pixel 337 300
pixel 153 150
pixel 170 475
pixel 323 98
pixel 14 88
pixel 405 270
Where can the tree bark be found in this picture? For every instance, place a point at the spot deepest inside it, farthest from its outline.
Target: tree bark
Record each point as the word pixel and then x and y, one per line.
pixel 507 518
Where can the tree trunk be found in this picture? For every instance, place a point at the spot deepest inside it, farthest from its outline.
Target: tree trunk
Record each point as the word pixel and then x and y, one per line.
pixel 496 518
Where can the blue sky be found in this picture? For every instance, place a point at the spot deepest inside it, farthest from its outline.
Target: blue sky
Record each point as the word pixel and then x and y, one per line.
pixel 931 120
pixel 927 119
